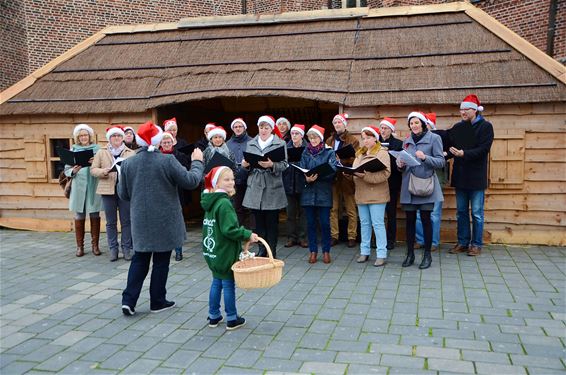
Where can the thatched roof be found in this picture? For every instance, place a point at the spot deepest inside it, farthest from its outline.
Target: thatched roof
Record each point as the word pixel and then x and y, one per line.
pixel 392 56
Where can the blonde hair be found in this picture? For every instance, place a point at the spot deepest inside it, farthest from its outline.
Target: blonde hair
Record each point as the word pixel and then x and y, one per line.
pixel 222 173
pixel 90 138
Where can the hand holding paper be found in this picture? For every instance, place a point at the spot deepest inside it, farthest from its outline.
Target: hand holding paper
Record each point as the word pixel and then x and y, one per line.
pixel 405 157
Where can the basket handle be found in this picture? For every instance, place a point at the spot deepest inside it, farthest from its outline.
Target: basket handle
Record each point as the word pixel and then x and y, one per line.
pixel 247 246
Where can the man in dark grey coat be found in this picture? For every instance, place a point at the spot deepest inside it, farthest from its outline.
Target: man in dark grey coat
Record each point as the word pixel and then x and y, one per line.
pixel 149 181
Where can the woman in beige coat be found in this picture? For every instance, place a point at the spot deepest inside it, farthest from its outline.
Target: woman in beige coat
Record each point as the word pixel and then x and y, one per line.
pixel 372 195
pixel 107 180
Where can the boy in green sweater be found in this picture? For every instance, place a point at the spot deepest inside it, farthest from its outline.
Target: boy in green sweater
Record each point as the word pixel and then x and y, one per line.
pixel 222 238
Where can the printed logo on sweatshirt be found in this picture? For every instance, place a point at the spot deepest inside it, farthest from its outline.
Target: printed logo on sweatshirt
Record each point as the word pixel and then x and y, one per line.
pixel 208 241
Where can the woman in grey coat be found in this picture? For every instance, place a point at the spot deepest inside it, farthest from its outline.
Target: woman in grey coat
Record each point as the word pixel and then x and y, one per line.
pixel 426 147
pixel 265 194
pixel 149 181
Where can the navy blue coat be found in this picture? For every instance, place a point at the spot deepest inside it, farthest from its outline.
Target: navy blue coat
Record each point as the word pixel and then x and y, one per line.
pixel 319 192
pixel 293 179
pixel 470 171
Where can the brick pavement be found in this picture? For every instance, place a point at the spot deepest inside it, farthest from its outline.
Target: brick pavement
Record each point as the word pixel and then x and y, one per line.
pixel 501 313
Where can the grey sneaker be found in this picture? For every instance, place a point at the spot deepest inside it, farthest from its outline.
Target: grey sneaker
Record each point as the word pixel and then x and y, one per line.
pixel 362 258
pixel 379 262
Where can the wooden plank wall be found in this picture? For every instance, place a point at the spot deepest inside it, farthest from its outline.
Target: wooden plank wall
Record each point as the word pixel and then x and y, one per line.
pixel 29 198
pixel 530 155
pixel 528 210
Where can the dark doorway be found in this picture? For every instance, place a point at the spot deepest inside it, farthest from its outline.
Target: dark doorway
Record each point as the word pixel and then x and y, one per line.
pixel 192 116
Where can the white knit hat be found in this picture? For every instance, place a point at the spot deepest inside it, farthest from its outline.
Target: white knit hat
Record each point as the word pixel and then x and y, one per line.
pixel 240 120
pixel 80 127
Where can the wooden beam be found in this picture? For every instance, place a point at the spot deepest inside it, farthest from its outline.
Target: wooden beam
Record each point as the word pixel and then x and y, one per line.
pixel 20 86
pixel 412 10
pixel 531 52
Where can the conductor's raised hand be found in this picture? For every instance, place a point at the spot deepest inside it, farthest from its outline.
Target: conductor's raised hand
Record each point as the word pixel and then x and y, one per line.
pixel 245 164
pixel 197 155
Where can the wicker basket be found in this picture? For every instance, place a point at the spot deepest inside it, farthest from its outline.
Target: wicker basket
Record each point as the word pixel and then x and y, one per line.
pixel 258 272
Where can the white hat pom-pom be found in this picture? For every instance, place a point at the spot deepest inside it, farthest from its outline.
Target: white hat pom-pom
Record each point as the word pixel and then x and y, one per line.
pixel 480 108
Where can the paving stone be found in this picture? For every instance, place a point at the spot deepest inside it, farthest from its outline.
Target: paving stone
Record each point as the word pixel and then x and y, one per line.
pixel 181 359
pixel 58 361
pixel 275 364
pixel 355 368
pixel 534 361
pixel 467 344
pixel 358 358
pixel 451 365
pixel 479 356
pixel 401 361
pixel 17 367
pixel 243 358
pixel 435 352
pixel 490 368
pixel 323 368
pixel 71 338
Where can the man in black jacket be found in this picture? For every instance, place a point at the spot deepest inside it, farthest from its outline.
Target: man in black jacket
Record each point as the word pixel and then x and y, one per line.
pixel 387 128
pixel 469 177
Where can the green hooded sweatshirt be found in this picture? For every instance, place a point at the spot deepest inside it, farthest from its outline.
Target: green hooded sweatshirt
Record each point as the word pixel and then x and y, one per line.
pixel 222 235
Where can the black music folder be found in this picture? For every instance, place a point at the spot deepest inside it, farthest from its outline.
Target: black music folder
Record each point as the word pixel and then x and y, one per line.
pixel 274 155
pixel 346 152
pixel 294 154
pixel 321 170
pixel 218 160
pixel 75 157
pixel 374 165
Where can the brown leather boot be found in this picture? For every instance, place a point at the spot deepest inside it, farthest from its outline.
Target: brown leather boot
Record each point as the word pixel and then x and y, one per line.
pixel 312 258
pixel 80 237
pixel 95 234
pixel 326 257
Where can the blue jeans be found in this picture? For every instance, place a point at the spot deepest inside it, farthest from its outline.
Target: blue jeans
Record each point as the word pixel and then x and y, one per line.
pixel 373 215
pixel 139 267
pixel 475 199
pixel 216 288
pixel 323 215
pixel 436 219
pixel 112 207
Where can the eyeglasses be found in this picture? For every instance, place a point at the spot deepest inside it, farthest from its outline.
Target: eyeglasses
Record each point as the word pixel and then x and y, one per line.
pixel 238 127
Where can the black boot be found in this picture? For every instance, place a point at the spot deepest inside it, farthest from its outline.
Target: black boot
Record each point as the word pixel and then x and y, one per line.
pixel 409 259
pixel 427 260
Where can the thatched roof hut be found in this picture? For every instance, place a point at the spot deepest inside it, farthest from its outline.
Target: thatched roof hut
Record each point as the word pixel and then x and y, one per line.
pixel 368 62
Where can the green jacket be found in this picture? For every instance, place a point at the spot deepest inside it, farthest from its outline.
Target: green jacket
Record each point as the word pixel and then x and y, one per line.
pixel 222 235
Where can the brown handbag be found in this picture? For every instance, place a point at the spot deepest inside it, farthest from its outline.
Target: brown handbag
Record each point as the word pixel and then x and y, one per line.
pixel 65 182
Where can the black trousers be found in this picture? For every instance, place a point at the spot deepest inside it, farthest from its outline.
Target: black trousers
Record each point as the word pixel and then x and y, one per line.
pixel 267 227
pixel 391 210
pixel 139 267
pixel 410 230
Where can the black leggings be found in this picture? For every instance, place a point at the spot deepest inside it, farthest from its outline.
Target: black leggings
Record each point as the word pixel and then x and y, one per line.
pixel 411 217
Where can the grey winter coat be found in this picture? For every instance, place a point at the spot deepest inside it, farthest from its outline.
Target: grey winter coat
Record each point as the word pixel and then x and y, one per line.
pixel 265 189
pixel 431 145
pixel 149 180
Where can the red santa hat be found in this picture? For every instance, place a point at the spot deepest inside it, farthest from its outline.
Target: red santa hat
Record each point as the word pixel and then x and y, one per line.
pixel 149 135
pixel 217 130
pixel 209 126
pixel 211 178
pixel 318 130
pixel 240 120
pixel 372 129
pixel 299 128
pixel 282 119
pixel 269 120
pixel 471 102
pixel 343 117
pixel 116 129
pixel 421 116
pixel 168 124
pixel 389 122
pixel 80 127
pixel 431 120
